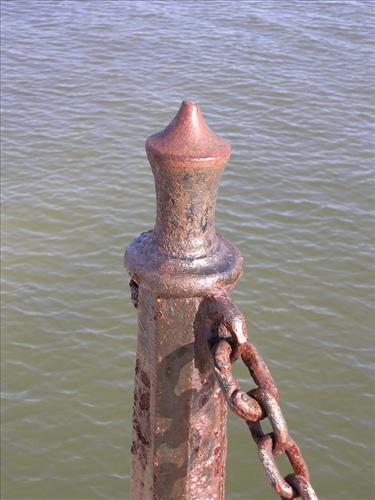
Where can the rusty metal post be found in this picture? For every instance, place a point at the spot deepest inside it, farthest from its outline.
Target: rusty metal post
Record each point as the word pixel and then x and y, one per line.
pixel 181 274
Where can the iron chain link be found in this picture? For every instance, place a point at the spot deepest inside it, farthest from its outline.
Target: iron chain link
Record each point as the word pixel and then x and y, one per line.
pixel 256 405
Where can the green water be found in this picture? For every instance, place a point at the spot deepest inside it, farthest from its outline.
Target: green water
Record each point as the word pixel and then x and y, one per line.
pixel 290 84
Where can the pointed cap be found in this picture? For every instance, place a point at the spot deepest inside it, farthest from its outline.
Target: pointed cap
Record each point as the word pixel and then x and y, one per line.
pixel 188 138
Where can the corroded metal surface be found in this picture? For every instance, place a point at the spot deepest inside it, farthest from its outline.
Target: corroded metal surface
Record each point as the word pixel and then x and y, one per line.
pixel 183 256
pixel 181 274
pixel 190 333
pixel 179 415
pixel 256 405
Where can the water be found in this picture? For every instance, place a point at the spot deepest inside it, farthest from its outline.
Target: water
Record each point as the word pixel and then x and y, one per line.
pixel 290 84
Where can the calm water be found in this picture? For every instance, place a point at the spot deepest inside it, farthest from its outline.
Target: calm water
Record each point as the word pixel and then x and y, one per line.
pixel 290 84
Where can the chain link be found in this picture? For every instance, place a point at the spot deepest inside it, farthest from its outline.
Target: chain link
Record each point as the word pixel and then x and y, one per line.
pixel 256 405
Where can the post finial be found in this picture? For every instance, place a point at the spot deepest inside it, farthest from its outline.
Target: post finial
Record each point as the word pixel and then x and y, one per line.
pixel 188 138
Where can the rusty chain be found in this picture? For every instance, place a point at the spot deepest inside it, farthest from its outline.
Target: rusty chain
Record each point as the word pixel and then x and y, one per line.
pixel 256 405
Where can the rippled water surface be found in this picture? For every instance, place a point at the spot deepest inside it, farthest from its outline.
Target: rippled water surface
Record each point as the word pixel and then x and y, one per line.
pixel 290 84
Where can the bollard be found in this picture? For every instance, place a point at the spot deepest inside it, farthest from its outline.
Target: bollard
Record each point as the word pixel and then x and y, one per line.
pixel 181 274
